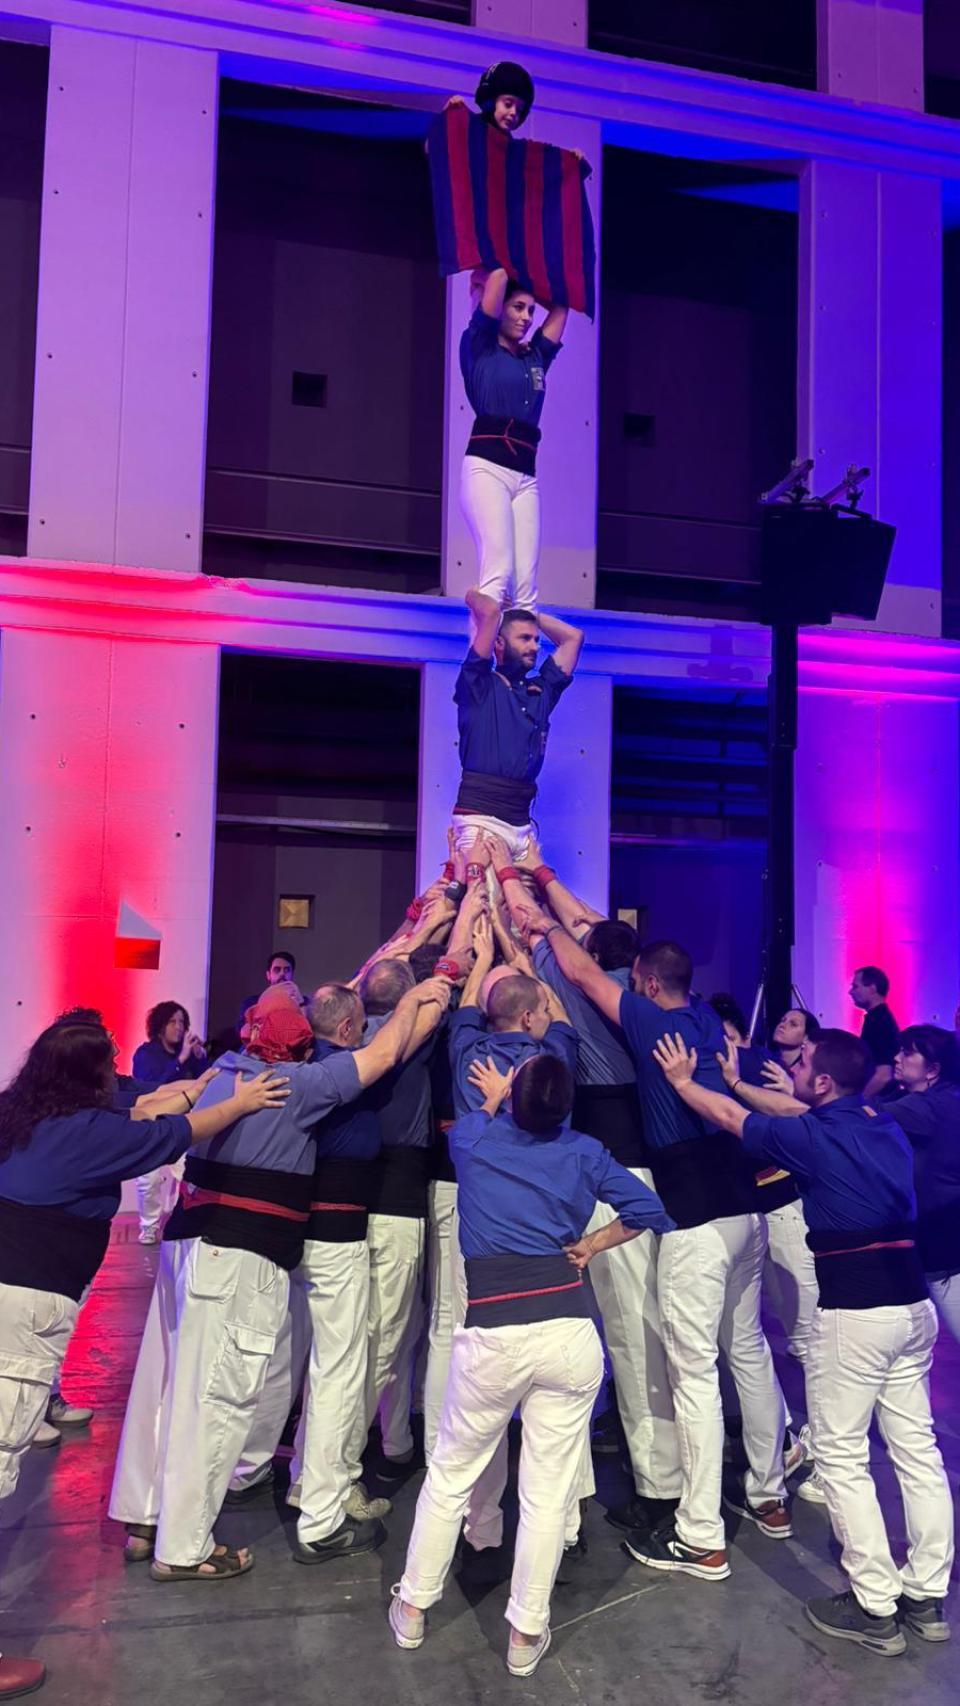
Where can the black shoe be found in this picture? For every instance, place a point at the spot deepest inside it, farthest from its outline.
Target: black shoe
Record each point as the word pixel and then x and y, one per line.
pixel 844 1617
pixel 608 1438
pixel 349 1538
pixel 662 1549
pixel 923 1617
pixel 480 1568
pixel 398 1468
pixel 571 1561
pixel 255 1490
pixel 640 1513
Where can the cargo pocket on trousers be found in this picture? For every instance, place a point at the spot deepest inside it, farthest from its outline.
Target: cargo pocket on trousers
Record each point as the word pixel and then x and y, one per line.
pixel 240 1365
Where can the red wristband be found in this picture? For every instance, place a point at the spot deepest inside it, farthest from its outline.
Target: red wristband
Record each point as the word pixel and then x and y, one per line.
pixel 449 871
pixel 508 871
pixel 474 873
pixel 447 968
pixel 543 875
pixel 415 908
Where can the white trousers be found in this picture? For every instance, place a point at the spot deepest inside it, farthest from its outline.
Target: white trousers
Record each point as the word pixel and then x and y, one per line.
pixel 553 1371
pixel 625 1286
pixel 709 1287
pixel 211 1330
pixel 397 1251
pixel 282 1386
pixel 157 1193
pixel 469 827
pixel 502 509
pixel 878 1360
pixel 448 1301
pixel 790 1277
pixel 335 1279
pixel 35 1329
pixel 945 1291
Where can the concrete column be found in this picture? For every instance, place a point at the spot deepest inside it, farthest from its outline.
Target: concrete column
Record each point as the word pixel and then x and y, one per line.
pixel 875 886
pixel 573 807
pixel 109 755
pixel 119 425
pixel 567 458
pixel 870 381
pixel 871 50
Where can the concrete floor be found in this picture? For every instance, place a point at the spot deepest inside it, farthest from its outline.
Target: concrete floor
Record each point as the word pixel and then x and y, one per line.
pixel 302 1637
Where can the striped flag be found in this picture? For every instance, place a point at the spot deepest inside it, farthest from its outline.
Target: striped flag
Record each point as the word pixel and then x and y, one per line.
pixel 500 202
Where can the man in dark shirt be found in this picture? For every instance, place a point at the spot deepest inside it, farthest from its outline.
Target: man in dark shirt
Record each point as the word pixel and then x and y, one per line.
pixel 503 714
pixel 869 988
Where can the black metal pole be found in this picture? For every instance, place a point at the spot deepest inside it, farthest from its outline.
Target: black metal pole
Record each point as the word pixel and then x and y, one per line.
pixel 779 932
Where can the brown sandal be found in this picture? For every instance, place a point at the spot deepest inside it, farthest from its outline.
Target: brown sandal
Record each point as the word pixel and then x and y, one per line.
pixel 223 1561
pixel 138 1546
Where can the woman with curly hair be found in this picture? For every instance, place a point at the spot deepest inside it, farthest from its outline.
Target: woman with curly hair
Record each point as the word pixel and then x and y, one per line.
pixel 171 1053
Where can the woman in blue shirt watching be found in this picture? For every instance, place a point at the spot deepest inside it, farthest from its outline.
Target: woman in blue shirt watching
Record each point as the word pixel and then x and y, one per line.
pixel 505 374
pixel 171 1052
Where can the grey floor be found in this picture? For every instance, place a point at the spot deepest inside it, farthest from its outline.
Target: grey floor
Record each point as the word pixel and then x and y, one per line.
pixel 298 1636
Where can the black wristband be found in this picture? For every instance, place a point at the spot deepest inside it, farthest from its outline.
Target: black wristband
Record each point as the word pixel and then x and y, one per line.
pixel 455 891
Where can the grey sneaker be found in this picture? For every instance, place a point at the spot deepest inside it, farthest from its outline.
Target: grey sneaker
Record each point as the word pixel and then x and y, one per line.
pixel 60 1414
pixel 811 1489
pixel 45 1437
pixel 844 1617
pixel 923 1617
pixel 360 1505
pixel 522 1660
pixel 409 1626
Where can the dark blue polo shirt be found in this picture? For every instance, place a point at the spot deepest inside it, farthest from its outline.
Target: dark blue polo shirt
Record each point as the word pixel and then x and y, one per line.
pixel 353 1129
pixel 155 1065
pixel 77 1161
pixel 470 1040
pixel 667 1120
pixel 931 1120
pixel 499 382
pixel 854 1166
pixel 602 1056
pixel 503 735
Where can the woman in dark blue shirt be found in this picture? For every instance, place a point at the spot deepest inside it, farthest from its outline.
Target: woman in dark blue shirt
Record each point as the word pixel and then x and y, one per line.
pixel 504 371
pixel 172 1052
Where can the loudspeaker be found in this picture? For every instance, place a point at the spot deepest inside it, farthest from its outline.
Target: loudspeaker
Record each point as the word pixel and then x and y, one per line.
pixel 818 563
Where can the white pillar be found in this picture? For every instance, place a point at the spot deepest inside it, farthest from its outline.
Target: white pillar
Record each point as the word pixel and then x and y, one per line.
pixel 870 360
pixel 878 850
pixel 871 50
pixel 109 767
pixel 567 458
pixel 119 425
pixel 562 21
pixel 573 805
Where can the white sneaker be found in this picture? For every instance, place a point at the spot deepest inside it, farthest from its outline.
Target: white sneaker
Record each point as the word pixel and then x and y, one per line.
pixel 796 1454
pixel 523 1660
pixel 63 1415
pixel 46 1437
pixel 360 1506
pixel 294 1494
pixel 409 1626
pixel 149 1235
pixel 811 1489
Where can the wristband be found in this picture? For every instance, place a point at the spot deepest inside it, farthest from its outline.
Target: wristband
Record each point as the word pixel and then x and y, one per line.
pixel 455 891
pixel 474 873
pixel 415 908
pixel 449 871
pixel 736 1082
pixel 543 875
pixel 187 1100
pixel 446 967
pixel 508 872
pixel 550 929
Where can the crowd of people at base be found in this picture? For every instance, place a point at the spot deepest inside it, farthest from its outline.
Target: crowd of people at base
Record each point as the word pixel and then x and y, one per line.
pixel 517 1125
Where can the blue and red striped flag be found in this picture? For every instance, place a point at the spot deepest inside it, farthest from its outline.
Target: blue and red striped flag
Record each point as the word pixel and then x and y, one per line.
pixel 500 202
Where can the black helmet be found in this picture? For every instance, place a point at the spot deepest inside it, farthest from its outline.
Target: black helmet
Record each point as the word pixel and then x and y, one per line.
pixel 504 78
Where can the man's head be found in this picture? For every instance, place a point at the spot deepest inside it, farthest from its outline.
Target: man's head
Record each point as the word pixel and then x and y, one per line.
pixel 495 975
pixel 517 644
pixel 868 987
pixel 731 1014
pixel 927 1055
pixel 423 961
pixel 281 968
pixel 663 971
pixel 336 1015
pixel 794 1028
pixel 613 945
pixel 542 1094
pixel 384 984
pixel 519 1003
pixel 838 1064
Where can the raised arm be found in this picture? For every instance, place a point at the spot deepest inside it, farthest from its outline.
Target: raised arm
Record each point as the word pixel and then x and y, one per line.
pixel 759 1100
pixel 553 325
pixel 605 992
pixel 483 950
pixel 678 1066
pixel 574 914
pixel 494 291
pixel 486 618
pixel 392 1040
pixel 567 639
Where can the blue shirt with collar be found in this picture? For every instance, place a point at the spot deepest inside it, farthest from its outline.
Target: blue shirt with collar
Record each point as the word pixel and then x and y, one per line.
pixel 668 1120
pixel 470 1040
pixel 499 381
pixel 77 1162
pixel 279 1139
pixel 155 1065
pixel 602 1056
pixel 504 724
pixel 353 1128
pixel 853 1165
pixel 530 1195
